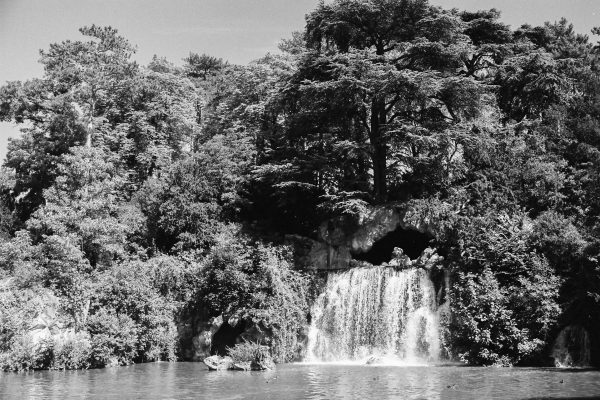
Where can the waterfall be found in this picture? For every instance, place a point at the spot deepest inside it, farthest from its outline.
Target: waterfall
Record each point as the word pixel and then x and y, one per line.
pixel 572 347
pixel 377 313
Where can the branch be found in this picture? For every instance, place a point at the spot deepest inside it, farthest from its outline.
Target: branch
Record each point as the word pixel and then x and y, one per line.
pixel 392 103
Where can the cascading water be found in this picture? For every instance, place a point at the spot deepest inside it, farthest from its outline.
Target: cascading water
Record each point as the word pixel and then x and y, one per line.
pixel 378 313
pixel 572 348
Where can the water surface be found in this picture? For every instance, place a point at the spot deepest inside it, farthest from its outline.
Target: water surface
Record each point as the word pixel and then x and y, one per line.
pixel 303 381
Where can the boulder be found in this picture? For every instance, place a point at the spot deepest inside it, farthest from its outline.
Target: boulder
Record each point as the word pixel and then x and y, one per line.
pixel 399 259
pixel 266 364
pixel 242 366
pixel 218 363
pixel 428 259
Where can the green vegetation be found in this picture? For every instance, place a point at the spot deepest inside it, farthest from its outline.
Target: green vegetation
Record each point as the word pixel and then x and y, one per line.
pixel 248 352
pixel 141 197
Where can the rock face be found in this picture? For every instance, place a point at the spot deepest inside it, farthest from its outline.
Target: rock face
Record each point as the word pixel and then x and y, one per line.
pixel 48 325
pixel 572 347
pixel 203 341
pixel 372 227
pixel 341 238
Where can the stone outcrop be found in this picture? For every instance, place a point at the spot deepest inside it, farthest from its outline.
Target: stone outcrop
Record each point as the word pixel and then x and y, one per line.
pixel 427 260
pixel 218 363
pixel 341 238
pixel 48 326
pixel 202 342
pixel 373 226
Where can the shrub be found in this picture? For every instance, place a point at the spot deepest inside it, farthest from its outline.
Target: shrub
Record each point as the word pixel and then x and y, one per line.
pixel 257 282
pixel 114 338
pixel 72 351
pixel 483 329
pixel 158 337
pixel 505 300
pixel 249 352
pixel 25 354
pixel 286 306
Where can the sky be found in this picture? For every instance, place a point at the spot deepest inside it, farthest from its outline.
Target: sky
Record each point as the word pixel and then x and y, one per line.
pixel 236 30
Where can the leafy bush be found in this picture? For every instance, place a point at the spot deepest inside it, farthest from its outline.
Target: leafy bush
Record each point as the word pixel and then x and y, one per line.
pixel 25 354
pixel 114 338
pixel 72 352
pixel 483 328
pixel 505 300
pixel 249 352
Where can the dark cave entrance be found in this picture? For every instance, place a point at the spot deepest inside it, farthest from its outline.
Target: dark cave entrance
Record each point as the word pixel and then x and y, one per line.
pixel 412 242
pixel 226 337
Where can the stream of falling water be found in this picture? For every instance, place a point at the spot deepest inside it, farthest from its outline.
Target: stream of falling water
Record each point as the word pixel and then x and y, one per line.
pixel 377 314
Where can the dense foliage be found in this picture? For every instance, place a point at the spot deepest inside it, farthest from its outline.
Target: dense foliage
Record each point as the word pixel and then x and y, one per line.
pixel 138 197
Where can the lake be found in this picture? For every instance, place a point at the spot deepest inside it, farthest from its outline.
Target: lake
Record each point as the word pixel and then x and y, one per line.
pixel 303 381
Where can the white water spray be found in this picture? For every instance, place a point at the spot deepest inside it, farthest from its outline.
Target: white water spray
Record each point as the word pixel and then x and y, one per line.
pixel 378 313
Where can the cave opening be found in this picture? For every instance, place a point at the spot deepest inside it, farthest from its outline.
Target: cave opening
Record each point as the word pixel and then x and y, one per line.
pixel 226 337
pixel 412 242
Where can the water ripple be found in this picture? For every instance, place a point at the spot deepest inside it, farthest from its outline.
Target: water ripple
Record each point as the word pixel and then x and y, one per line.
pixel 303 381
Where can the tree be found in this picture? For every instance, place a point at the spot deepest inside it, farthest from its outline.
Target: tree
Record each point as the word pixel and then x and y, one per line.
pixel 92 93
pixel 202 66
pixel 84 227
pixel 389 69
pixel 66 108
pixel 188 205
pixel 91 72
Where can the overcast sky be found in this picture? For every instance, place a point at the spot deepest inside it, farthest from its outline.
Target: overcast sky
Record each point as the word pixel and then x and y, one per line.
pixel 236 30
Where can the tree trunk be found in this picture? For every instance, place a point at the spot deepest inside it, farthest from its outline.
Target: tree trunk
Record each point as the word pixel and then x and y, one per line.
pixel 379 173
pixel 379 149
pixel 90 127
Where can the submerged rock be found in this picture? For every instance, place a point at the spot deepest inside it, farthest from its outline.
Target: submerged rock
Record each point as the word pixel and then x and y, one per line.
pixel 218 363
pixel 242 366
pixel 263 365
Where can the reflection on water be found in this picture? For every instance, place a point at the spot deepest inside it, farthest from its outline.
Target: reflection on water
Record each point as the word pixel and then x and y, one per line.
pixel 303 381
